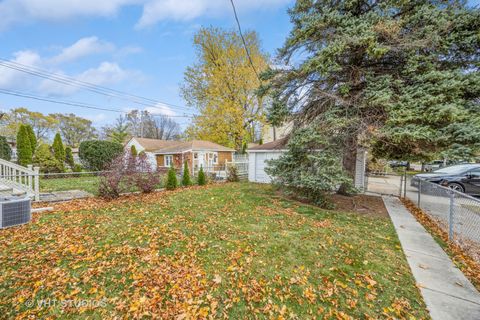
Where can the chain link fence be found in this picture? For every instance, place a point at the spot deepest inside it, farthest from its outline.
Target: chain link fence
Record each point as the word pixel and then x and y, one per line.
pixel 456 213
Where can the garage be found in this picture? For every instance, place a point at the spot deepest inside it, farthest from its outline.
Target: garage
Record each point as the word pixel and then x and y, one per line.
pixel 257 157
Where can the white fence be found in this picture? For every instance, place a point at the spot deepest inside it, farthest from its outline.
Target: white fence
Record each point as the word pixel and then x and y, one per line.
pixel 21 178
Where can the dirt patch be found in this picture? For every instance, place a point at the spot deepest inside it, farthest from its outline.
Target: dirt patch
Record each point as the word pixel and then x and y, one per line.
pixel 361 203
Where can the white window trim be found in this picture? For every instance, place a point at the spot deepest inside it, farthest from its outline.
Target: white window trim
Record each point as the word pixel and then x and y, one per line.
pixel 165 157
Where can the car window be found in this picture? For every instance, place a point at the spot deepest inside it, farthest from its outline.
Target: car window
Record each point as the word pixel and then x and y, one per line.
pixel 458 169
pixel 475 173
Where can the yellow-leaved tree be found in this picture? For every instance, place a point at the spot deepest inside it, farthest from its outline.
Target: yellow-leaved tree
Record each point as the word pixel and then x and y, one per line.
pixel 222 86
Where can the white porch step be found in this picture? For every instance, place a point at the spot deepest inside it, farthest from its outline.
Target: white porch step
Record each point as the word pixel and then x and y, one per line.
pixel 10 191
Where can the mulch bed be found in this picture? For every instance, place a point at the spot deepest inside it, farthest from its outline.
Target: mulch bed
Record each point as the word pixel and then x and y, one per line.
pixel 361 203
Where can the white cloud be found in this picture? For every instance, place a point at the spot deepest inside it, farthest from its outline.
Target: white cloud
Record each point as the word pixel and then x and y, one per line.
pixel 11 78
pixel 99 117
pixel 16 11
pixel 25 11
pixel 161 109
pixel 81 48
pixel 105 73
pixel 158 10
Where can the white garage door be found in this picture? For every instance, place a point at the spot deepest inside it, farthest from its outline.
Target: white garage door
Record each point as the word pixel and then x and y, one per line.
pixel 260 165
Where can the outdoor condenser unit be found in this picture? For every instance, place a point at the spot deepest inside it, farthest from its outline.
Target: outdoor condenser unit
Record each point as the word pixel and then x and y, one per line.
pixel 14 211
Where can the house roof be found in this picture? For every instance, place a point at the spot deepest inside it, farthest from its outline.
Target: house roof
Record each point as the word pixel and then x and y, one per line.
pixel 155 144
pixel 194 145
pixel 279 144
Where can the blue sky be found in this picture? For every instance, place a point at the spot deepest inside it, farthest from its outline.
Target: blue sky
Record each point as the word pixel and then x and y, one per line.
pixel 138 46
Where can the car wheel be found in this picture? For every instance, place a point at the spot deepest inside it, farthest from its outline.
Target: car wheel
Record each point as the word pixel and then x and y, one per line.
pixel 456 187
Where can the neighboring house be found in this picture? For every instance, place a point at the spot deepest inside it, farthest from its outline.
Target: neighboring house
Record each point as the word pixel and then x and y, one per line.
pixel 257 157
pixel 76 157
pixel 198 153
pixel 149 146
pixel 13 145
pixel 270 133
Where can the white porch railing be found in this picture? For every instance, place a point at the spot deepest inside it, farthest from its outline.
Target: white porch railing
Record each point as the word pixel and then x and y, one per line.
pixel 242 166
pixel 19 177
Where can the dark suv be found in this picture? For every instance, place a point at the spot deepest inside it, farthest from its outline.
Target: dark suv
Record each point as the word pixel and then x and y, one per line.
pixel 463 178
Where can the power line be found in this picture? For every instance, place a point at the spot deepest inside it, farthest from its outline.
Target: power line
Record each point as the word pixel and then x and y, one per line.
pixel 76 104
pixel 243 40
pixel 86 85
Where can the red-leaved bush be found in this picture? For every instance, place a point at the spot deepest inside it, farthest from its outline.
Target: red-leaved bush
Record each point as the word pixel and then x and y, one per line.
pixel 112 182
pixel 146 179
pixel 126 172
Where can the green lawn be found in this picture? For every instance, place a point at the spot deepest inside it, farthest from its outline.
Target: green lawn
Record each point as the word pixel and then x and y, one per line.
pixel 229 251
pixel 86 183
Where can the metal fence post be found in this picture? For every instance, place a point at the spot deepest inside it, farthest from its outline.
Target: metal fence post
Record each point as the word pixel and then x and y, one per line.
pixel 450 216
pixel 419 191
pixel 401 184
pixel 405 184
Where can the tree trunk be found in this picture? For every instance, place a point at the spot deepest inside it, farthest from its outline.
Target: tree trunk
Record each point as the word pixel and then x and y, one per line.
pixel 349 161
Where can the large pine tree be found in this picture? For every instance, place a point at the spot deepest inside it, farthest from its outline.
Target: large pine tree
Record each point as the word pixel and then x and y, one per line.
pixel 401 76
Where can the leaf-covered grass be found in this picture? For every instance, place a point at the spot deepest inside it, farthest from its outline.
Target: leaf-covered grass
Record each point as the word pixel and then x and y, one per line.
pixel 227 251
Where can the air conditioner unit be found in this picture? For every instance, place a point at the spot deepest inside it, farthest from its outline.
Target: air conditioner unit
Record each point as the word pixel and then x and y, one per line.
pixel 14 211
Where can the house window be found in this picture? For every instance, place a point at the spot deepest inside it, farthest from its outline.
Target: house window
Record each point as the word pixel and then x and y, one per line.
pixel 214 156
pixel 195 155
pixel 168 160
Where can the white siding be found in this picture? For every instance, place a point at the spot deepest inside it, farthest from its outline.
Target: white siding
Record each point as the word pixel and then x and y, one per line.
pixel 360 167
pixel 251 166
pixel 257 164
pixel 152 159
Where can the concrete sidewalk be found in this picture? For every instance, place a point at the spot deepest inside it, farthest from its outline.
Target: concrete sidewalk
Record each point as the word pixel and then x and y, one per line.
pixel 447 293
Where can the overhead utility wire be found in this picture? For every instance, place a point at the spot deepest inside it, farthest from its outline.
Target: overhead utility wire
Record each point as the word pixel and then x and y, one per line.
pixel 243 40
pixel 85 85
pixel 76 104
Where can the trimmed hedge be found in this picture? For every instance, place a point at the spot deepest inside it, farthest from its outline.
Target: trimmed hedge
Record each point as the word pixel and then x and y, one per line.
pixel 202 179
pixel 186 181
pixel 32 137
pixel 58 148
pixel 96 155
pixel 172 182
pixel 24 147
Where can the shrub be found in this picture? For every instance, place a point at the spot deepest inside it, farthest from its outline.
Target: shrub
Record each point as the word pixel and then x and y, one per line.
pixel 58 148
pixel 96 155
pixel 69 157
pixel 32 138
pixel 24 147
pixel 133 151
pixel 111 183
pixel 146 179
pixel 45 159
pixel 5 150
pixel 186 181
pixel 172 182
pixel 202 180
pixel 232 174
pixel 77 168
pixel 306 171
